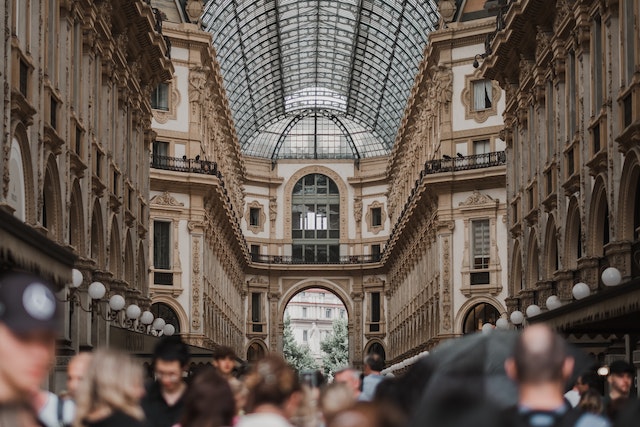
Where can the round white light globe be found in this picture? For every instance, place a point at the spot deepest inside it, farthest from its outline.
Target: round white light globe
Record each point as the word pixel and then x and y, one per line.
pixel 532 310
pixel 146 318
pixel 517 317
pixel 133 312
pixel 158 324
pixel 487 327
pixel 97 290
pixel 553 302
pixel 580 290
pixel 611 276
pixel 169 329
pixel 76 278
pixel 502 323
pixel 116 302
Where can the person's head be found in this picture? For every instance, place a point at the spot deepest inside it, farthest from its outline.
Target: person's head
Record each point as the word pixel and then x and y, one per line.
pixel 373 364
pixel 272 381
pixel 170 361
pixel 540 357
pixel 591 401
pixel 335 398
pixel 350 377
pixel 620 378
pixel 29 321
pixel 75 372
pixel 588 380
pixel 208 386
pixel 113 382
pixel 366 414
pixel 225 360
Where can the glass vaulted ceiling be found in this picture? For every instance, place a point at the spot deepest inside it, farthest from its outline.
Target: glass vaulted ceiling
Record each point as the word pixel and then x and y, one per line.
pixel 318 79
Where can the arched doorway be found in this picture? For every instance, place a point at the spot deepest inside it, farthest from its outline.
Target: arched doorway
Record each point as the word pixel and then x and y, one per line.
pixel 160 309
pixel 315 333
pixel 478 315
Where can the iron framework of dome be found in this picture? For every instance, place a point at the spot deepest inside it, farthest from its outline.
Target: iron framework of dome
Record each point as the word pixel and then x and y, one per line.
pixel 318 79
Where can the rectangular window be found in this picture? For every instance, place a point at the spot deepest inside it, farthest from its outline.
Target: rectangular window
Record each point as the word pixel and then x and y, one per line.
pixel 327 313
pixel 255 253
pixel 254 217
pixel 78 141
pixel 304 312
pixel 53 114
pixel 481 147
pixel 481 95
pixel 162 245
pixel 256 315
pixel 376 217
pixel 24 78
pixel 160 97
pixel 598 63
pixel 375 312
pixel 375 252
pixel 571 94
pixel 52 42
pixel 481 244
pixel 77 62
pixel 305 335
pixel 629 38
pixel 550 122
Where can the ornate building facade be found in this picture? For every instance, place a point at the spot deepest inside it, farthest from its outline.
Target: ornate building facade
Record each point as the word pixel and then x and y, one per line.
pixel 446 257
pixel 197 255
pixel 572 82
pixel 76 118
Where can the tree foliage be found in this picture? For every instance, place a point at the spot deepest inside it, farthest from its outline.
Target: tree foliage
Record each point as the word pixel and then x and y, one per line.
pixel 335 348
pixel 298 356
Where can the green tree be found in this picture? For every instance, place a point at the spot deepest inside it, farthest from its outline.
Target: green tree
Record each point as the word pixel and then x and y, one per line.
pixel 298 356
pixel 335 348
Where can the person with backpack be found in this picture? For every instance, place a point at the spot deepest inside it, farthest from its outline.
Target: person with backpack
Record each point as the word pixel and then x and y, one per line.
pixel 541 366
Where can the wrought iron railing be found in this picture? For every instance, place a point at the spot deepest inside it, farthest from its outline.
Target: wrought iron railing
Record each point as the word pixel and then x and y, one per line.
pixel 461 163
pixel 185 165
pixel 348 259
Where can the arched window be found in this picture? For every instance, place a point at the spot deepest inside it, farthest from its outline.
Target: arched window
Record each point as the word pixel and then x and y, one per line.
pixel 160 309
pixel 479 315
pixel 315 220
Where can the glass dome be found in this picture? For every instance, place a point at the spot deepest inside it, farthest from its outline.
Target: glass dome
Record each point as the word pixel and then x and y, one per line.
pixel 345 66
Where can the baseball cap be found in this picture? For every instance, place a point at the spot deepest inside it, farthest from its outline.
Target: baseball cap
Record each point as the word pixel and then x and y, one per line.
pixel 27 303
pixel 621 367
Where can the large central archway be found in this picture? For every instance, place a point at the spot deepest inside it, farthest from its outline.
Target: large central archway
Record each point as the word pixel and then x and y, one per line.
pixel 352 308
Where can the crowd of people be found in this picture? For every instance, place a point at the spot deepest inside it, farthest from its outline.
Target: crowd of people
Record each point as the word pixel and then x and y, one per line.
pixel 107 388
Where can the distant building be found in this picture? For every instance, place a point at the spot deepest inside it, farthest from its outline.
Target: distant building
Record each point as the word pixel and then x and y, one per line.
pixel 312 313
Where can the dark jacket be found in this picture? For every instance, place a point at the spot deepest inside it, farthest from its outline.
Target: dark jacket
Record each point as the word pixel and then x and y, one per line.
pixel 116 419
pixel 156 410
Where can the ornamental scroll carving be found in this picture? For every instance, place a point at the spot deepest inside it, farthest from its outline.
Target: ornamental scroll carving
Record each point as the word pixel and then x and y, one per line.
pixel 446 277
pixel 195 285
pixel 478 198
pixel 166 199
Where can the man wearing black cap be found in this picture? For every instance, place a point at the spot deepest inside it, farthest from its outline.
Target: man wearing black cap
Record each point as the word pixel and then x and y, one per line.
pixel 28 325
pixel 620 378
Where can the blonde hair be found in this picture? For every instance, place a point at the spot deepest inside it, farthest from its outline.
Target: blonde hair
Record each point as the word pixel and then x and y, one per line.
pixel 111 382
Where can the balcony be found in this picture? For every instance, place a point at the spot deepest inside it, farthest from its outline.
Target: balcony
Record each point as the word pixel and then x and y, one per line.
pixel 346 259
pixel 184 165
pixel 463 163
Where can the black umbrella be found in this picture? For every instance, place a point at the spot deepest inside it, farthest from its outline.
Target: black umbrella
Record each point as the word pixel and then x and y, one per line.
pixel 469 371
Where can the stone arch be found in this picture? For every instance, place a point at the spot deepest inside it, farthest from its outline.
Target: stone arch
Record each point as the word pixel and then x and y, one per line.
pixel 142 276
pixel 115 249
pixel 20 158
pixel 599 225
pixel 550 251
pixel 177 309
pixel 470 304
pixel 516 268
pixel 129 262
pixel 337 290
pixel 255 350
pixel 77 232
pixel 52 200
pixel 97 248
pixel 629 207
pixel 573 236
pixel 342 188
pixel 375 345
pixel 533 264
